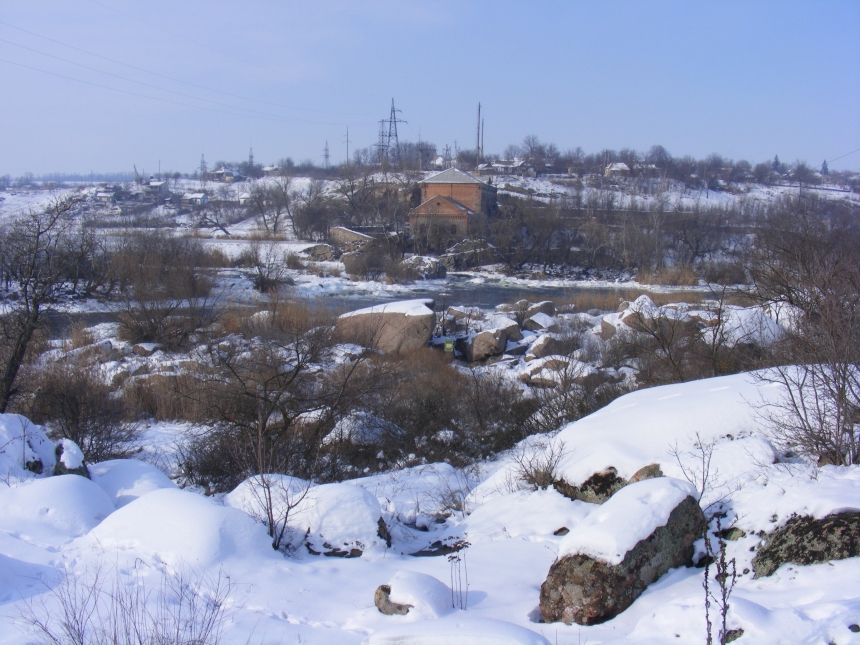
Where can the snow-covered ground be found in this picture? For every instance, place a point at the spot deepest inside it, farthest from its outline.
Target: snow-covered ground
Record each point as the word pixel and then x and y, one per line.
pixel 133 519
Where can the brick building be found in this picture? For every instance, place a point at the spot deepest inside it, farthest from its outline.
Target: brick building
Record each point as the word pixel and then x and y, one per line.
pixel 449 200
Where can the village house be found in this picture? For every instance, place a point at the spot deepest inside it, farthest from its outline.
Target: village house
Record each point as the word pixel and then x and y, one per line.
pixel 617 169
pixel 194 199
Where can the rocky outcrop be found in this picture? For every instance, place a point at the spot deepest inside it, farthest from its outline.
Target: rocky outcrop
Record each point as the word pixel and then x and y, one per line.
pixel 347 239
pixel 482 345
pixel 805 540
pixel 468 255
pixel 321 252
pixel 544 307
pixel 426 267
pixel 585 590
pixel 383 602
pixel 396 328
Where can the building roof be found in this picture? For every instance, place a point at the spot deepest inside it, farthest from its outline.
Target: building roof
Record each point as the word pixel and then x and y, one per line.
pixel 619 166
pixel 448 200
pixel 452 176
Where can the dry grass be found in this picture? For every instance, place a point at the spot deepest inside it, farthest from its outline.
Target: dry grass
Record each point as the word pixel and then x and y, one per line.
pixel 79 336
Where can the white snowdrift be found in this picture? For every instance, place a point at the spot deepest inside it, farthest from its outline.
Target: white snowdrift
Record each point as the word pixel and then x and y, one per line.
pixel 643 427
pixel 429 597
pixel 53 510
pixel 23 579
pixel 610 530
pixel 336 514
pixel 457 630
pixel 22 441
pixel 420 307
pixel 124 480
pixel 181 528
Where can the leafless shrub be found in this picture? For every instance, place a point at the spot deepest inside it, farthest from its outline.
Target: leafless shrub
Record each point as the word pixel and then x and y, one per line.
pixel 536 463
pixel 75 403
pixel 695 465
pixel 186 608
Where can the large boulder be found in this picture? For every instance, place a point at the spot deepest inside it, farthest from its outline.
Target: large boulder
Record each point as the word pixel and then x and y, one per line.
pixel 396 328
pixel 541 321
pixel 482 345
pixel 805 540
pixel 620 548
pixel 544 307
pixel 545 345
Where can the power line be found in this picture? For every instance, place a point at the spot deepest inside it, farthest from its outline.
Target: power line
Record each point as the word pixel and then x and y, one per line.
pixel 163 89
pixel 845 155
pixel 170 78
pixel 155 98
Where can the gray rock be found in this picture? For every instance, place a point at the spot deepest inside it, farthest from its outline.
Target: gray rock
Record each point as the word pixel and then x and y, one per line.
pixel 482 345
pixel 468 255
pixel 541 321
pixel 805 540
pixel 544 307
pixel 543 346
pixel 383 602
pixel 145 349
pixel 584 590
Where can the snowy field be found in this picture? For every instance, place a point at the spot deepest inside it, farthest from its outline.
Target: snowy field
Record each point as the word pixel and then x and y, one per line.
pixel 132 519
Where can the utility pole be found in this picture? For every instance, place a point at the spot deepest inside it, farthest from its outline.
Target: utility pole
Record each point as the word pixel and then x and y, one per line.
pixel 347 146
pixel 478 139
pixel 325 155
pixel 392 131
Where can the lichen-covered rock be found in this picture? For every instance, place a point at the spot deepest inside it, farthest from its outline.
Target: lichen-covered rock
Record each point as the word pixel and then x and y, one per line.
pixel 384 605
pixel 805 540
pixel 428 268
pixel 585 590
pixel 596 489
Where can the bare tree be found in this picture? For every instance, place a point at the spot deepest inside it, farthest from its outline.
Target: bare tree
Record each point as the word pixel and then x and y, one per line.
pixel 36 257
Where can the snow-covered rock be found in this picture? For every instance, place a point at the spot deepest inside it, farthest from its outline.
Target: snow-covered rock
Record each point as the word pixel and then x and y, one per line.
pixel 53 510
pixel 336 519
pixel 24 447
pixel 124 480
pixel 620 548
pixel 180 528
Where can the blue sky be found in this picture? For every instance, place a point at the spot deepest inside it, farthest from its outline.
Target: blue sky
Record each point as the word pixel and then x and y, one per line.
pixel 744 79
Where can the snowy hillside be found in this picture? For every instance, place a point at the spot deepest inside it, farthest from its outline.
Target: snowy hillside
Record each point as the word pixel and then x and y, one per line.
pixel 135 524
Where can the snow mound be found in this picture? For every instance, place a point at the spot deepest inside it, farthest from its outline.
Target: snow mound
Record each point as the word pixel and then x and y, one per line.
pixel 23 442
pixel 457 630
pixel 124 480
pixel 609 531
pixel 53 510
pixel 644 427
pixel 338 515
pixel 179 527
pixel 525 514
pixel 429 597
